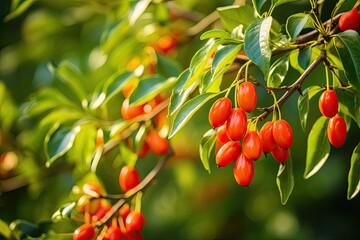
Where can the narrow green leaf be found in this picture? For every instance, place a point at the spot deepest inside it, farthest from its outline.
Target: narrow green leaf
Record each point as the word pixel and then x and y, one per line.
pixel 188 110
pixel 304 57
pixel 318 147
pixel 278 71
pixel 354 174
pixel 296 23
pixel 257 43
pixel 59 143
pixel 347 45
pixel 225 57
pixel 285 180
pixel 137 10
pixel 215 33
pixel 114 34
pixel 178 96
pixel 4 230
pixel 148 88
pixel 233 16
pixel 206 146
pixel 304 103
pixel 18 9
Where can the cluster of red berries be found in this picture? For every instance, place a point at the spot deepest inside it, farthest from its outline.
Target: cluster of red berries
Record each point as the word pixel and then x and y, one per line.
pixel 275 137
pixel 125 224
pixel 336 129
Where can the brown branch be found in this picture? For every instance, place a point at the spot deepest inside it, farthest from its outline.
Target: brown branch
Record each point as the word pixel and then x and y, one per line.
pixel 204 23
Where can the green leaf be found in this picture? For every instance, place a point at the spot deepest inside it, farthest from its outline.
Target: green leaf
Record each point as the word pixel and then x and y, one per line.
pixel 354 174
pixel 178 96
pixel 318 147
pixel 128 156
pixel 64 212
pixel 347 45
pixel 206 145
pixel 114 34
pixel 162 13
pixel 166 67
pixel 233 16
pixel 278 71
pixel 117 128
pixel 280 2
pixel 304 103
pixel 296 23
pixel 59 143
pixel 258 5
pixel 285 180
pixel 349 102
pixel 137 9
pixel 188 110
pixel 215 33
pixel 148 88
pixel 257 43
pixel 17 8
pixel 4 230
pixel 25 227
pixel 304 57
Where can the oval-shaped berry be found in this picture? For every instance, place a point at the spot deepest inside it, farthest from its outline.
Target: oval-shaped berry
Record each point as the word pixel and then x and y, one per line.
pixel 134 221
pixel 336 131
pixel 221 134
pixel 114 233
pixel 247 97
pixel 243 170
pixel 129 112
pixel 328 103
pixel 100 213
pixel 84 232
pixel 282 133
pixel 349 20
pixel 280 154
pixel 266 137
pixel 157 144
pixel 92 189
pixel 128 178
pixel 252 147
pixel 228 153
pixel 219 112
pixel 218 145
pixel 236 124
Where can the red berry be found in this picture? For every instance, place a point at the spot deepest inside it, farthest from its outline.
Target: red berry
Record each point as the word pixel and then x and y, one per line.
pixel 100 213
pixel 329 103
pixel 236 124
pixel 266 137
pixel 221 134
pixel 247 97
pixel 243 170
pixel 336 131
pixel 144 150
pixel 114 233
pixel 280 154
pixel 84 232
pixel 124 211
pixel 219 112
pixel 128 112
pixel 218 145
pixel 282 133
pixel 157 144
pixel 227 153
pixel 87 205
pixel 134 221
pixel 92 189
pixel 252 146
pixel 128 178
pixel 349 20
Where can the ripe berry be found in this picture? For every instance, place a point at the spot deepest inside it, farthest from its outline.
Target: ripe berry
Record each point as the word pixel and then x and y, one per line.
pixel 144 150
pixel 247 97
pixel 336 131
pixel 128 178
pixel 329 103
pixel 84 232
pixel 221 134
pixel 128 112
pixel 236 124
pixel 87 205
pixel 243 170
pixel 282 133
pixel 349 20
pixel 252 146
pixel 218 145
pixel 157 144
pixel 134 221
pixel 227 153
pixel 100 213
pixel 280 154
pixel 124 211
pixel 165 44
pixel 114 233
pixel 266 137
pixel 92 189
pixel 219 112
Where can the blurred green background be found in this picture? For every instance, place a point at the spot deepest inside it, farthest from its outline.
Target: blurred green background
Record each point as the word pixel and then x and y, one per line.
pixel 185 202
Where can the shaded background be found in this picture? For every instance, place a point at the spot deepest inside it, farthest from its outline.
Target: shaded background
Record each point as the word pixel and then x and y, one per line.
pixel 185 202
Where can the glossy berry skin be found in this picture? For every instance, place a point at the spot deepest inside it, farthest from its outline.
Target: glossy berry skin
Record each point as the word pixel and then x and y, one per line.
pixel 129 112
pixel 243 170
pixel 100 213
pixel 128 178
pixel 157 144
pixel 219 112
pixel 124 211
pixel 349 20
pixel 247 97
pixel 282 133
pixel 144 150
pixel 266 137
pixel 134 221
pixel 114 233
pixel 236 124
pixel 221 134
pixel 336 131
pixel 328 103
pixel 84 232
pixel 252 147
pixel 280 154
pixel 228 153
pixel 218 145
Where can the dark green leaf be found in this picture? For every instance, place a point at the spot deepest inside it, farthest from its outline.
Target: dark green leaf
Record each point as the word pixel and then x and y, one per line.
pixel 349 102
pixel 233 16
pixel 206 82
pixel 318 147
pixel 64 211
pixel 166 67
pixel 178 95
pixel 25 227
pixel 296 23
pixel 347 45
pixel 280 2
pixel 258 5
pixel 278 71
pixel 304 57
pixel 354 174
pixel 304 103
pixel 285 180
pixel 215 33
pixel 257 46
pixel 188 110
pixel 17 8
pixel 206 146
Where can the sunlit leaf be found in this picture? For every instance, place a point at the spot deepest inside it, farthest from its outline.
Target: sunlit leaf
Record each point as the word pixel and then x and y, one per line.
pixel 278 71
pixel 318 147
pixel 354 174
pixel 233 16
pixel 280 2
pixel 206 145
pixel 215 33
pixel 112 36
pixel 17 8
pixel 137 9
pixel 64 211
pixel 296 23
pixel 4 230
pixel 258 4
pixel 178 95
pixel 285 180
pixel 128 156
